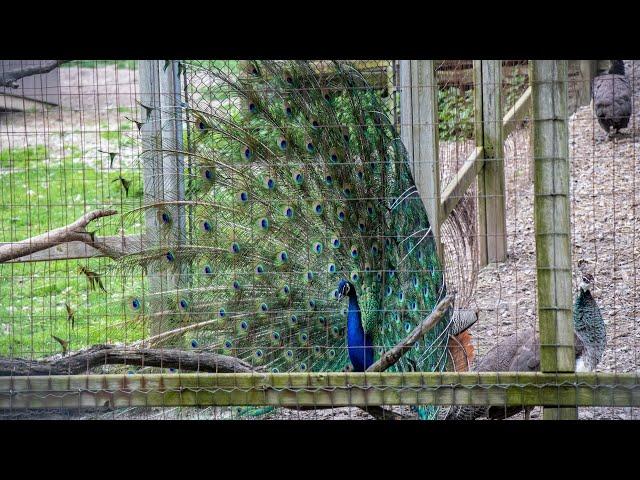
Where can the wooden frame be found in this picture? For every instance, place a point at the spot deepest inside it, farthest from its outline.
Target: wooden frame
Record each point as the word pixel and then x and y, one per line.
pixel 321 390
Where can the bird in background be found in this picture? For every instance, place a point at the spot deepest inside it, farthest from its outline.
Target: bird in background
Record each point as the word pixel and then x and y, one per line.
pixel 298 194
pixel 520 352
pixel 612 99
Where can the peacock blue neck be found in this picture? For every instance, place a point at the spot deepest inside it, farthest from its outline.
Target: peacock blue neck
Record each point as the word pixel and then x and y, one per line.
pixel 360 344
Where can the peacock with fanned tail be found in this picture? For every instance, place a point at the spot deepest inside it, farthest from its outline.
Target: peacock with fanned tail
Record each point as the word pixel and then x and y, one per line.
pixel 301 196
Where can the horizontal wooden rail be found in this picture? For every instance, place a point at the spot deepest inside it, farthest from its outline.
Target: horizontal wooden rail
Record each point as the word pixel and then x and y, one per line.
pixel 472 166
pixel 332 389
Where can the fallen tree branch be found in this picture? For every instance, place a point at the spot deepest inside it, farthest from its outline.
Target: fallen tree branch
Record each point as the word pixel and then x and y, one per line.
pixel 392 356
pixel 9 79
pixel 98 355
pixel 75 231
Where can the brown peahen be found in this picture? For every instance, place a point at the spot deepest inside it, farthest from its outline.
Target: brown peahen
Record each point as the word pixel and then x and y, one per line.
pixel 299 194
pixel 612 98
pixel 520 352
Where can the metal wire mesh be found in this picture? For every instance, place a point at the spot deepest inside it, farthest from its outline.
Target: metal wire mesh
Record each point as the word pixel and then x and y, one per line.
pixel 86 152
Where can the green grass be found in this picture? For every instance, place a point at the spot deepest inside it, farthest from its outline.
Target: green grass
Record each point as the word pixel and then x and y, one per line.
pixel 37 194
pixel 129 64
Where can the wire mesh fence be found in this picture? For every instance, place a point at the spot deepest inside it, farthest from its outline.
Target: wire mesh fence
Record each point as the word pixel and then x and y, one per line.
pixel 253 196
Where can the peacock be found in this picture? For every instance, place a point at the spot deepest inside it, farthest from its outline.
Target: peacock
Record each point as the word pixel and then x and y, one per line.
pixel 307 246
pixel 520 352
pixel 612 98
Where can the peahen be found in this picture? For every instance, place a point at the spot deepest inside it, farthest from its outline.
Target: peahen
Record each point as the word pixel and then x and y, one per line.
pixel 299 194
pixel 612 98
pixel 520 352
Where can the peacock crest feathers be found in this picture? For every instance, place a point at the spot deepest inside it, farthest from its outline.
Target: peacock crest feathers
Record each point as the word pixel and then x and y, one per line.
pixel 295 180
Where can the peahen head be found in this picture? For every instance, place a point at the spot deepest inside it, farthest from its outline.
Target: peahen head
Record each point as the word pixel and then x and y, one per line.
pixel 617 67
pixel 586 283
pixel 346 289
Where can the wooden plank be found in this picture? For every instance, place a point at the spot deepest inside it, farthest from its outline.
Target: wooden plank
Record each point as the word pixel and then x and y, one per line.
pixel 517 113
pixel 322 389
pixel 419 116
pixel 552 218
pixel 163 178
pixel 588 70
pixel 491 197
pixel 461 183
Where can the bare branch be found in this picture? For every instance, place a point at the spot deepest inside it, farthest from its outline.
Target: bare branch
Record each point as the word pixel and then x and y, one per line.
pixel 392 356
pixel 75 231
pixel 9 79
pixel 98 355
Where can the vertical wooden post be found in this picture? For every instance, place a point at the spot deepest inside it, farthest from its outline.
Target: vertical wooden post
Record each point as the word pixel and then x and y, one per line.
pixel 419 133
pixel 163 178
pixel 491 199
pixel 588 69
pixel 552 220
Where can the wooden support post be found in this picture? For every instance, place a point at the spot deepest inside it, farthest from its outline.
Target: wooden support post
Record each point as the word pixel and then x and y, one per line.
pixel 491 199
pixel 552 220
pixel 588 69
pixel 163 174
pixel 419 133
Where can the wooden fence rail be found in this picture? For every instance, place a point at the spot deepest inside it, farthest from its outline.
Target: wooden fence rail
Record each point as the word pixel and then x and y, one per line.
pixel 334 389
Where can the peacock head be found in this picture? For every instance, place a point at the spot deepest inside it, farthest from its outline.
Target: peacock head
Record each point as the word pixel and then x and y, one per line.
pixel 346 289
pixel 586 283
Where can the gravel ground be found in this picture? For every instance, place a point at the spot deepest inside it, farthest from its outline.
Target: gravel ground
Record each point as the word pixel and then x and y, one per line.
pixel 603 209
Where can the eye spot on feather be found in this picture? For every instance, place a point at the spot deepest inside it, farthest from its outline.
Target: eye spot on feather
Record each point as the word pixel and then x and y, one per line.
pixel 244 325
pixel 331 268
pixel 335 294
pixel 317 247
pixel 243 196
pixel 222 312
pixel 328 180
pixel 341 215
pixel 135 304
pixel 335 242
pixel 184 304
pixel 269 183
pixel 235 247
pixel 298 178
pixel 264 224
pixel 286 290
pixel 303 367
pixel 331 353
pixel 288 212
pixel 247 153
pixel 228 344
pixel 208 270
pixel 388 290
pixel 311 304
pixel 282 143
pixel 208 174
pixel 309 276
pixel 355 278
pixel 318 209
pixel 206 226
pixel 252 107
pixel 293 320
pixel 310 147
pixel 259 269
pixel 354 252
pixel 264 307
pixel 170 257
pixel 236 285
pixel 275 336
pixel 194 343
pixel 258 353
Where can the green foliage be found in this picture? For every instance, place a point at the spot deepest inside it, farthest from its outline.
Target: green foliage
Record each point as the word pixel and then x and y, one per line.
pixel 22 157
pixel 125 64
pixel 455 114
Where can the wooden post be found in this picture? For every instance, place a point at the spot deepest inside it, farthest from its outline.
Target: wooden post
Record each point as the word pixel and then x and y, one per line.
pixel 163 176
pixel 419 133
pixel 552 220
pixel 588 69
pixel 491 200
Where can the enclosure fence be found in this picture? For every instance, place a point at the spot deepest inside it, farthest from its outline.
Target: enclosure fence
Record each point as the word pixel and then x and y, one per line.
pixel 109 171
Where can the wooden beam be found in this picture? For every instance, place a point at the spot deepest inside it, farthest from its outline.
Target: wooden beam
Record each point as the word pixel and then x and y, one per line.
pixel 489 135
pixel 517 113
pixel 552 219
pixel 419 133
pixel 461 183
pixel 588 70
pixel 163 173
pixel 332 389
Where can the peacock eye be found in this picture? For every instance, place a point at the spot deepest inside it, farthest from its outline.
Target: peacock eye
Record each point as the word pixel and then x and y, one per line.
pixel 235 247
pixel 207 269
pixel 194 343
pixel 222 312
pixel 247 153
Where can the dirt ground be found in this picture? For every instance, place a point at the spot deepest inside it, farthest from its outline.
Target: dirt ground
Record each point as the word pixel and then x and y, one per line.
pixel 604 201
